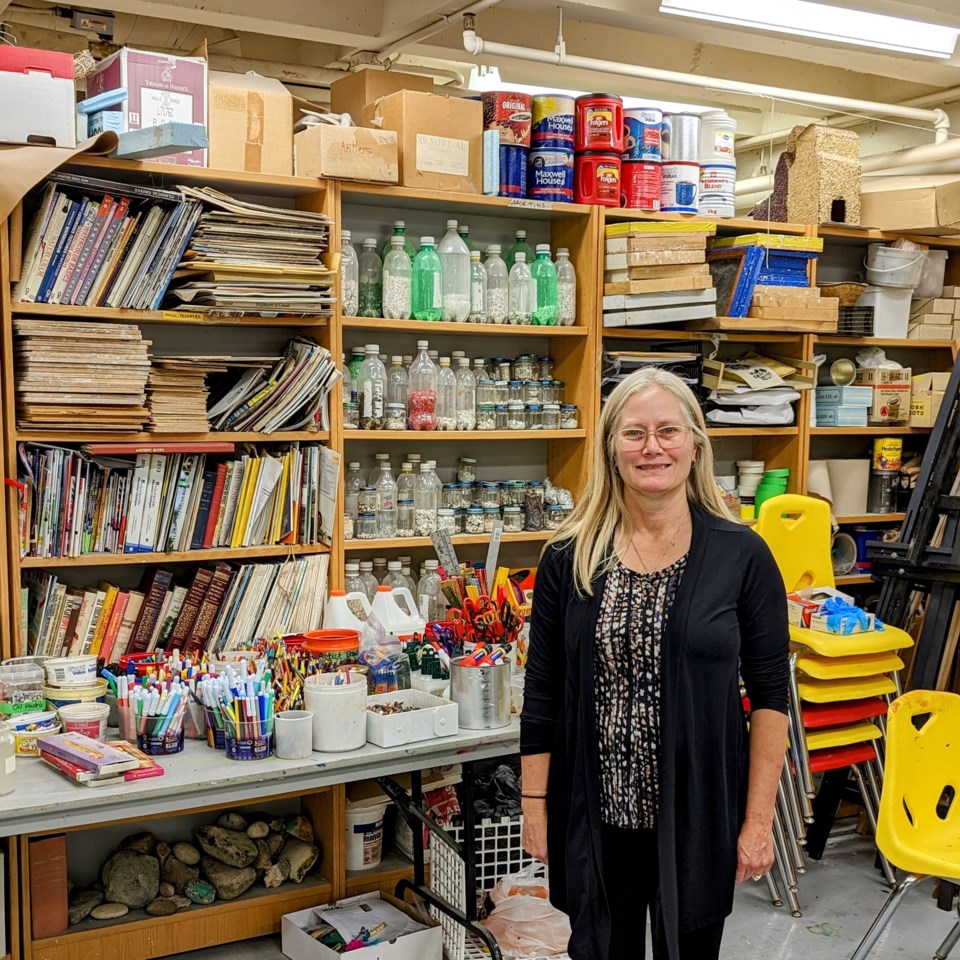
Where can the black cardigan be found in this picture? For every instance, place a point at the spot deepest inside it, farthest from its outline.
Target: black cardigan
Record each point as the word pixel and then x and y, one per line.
pixel 729 614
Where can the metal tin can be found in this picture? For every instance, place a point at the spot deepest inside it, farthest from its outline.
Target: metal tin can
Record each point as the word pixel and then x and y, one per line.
pixel 680 138
pixel 513 170
pixel 552 121
pixel 596 179
pixel 599 123
pixel 640 185
pixel 641 134
pixel 550 175
pixel 887 453
pixel 678 187
pixel 509 114
pixel 717 196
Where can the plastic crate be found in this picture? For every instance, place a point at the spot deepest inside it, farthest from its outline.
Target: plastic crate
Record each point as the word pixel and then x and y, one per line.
pixel 855 322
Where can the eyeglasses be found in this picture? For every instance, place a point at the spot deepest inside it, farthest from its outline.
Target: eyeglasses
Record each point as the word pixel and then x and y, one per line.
pixel 668 436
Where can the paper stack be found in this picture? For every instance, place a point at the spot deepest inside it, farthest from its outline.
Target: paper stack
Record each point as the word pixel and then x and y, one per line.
pixel 758 389
pixel 936 318
pixel 177 394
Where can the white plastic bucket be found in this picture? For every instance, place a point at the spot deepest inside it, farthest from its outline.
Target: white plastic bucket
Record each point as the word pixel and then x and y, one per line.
pixel 339 711
pixel 931 278
pixel 365 835
pixel 78 671
pixel 90 719
pixel 293 734
pixel 893 267
pixel 891 310
pixel 718 132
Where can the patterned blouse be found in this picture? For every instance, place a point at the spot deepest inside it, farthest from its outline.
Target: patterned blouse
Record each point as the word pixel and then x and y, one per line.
pixel 630 628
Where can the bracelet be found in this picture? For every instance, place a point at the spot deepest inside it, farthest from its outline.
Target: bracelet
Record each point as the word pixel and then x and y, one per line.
pixel 533 796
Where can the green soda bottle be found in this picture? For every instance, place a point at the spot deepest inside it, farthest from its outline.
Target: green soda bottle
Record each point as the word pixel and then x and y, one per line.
pixel 427 283
pixel 544 275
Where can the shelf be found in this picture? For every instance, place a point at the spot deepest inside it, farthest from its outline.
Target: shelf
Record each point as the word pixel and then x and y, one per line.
pixel 720 432
pixel 855 234
pixel 462 539
pixel 653 333
pixel 724 225
pixel 158 439
pixel 885 342
pixel 185 556
pixel 865 431
pixel 60 312
pixel 393 867
pixel 470 329
pixel 872 518
pixel 851 580
pixel 478 435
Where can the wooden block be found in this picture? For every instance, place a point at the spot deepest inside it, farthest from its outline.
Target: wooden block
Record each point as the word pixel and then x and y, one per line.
pixel 956 329
pixel 696 241
pixel 950 292
pixel 930 331
pixel 657 286
pixel 787 293
pixel 755 324
pixel 793 313
pixel 652 258
pixel 941 318
pixel 161 141
pixel 654 273
pixel 48 886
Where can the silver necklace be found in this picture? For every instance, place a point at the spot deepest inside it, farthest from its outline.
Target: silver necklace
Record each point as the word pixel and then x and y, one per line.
pixel 673 540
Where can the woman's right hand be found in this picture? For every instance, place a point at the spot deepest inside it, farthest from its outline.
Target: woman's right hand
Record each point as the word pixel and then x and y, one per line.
pixel 534 836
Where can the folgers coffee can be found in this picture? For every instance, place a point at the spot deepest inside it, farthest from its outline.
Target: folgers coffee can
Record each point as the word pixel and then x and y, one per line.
pixel 679 185
pixel 599 123
pixel 680 138
pixel 513 171
pixel 641 134
pixel 552 122
pixel 550 174
pixel 640 185
pixel 509 114
pixel 596 179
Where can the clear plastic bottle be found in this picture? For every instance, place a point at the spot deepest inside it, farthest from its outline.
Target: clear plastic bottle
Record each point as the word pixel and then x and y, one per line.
pixel 351 580
pixel 446 396
pixel 396 382
pixel 478 289
pixel 380 568
pixel 397 282
pixel 463 231
pixel 346 386
pixel 466 397
pixel 566 289
pixel 353 365
pixel 520 245
pixel 394 578
pixel 455 275
pixel 387 514
pixel 544 275
pixel 498 284
pixel 427 283
pixel 425 502
pixel 521 287
pixel 371 280
pixel 406 481
pixel 422 391
pixel 430 598
pixel 407 571
pixel 349 276
pixel 399 230
pixel 369 580
pixel 354 482
pixel 372 388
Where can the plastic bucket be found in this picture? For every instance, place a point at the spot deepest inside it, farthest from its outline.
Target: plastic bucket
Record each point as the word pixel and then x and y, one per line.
pixel 483 694
pixel 78 671
pixel 339 709
pixel 893 267
pixel 365 835
pixel 334 646
pixel 25 741
pixel 58 697
pixel 293 734
pixel 931 277
pixel 891 310
pixel 89 719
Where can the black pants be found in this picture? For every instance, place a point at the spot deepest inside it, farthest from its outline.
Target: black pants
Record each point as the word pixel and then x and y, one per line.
pixel 630 876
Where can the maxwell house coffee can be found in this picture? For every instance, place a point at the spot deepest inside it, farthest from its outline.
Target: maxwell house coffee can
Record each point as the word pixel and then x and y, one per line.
pixel 552 121
pixel 550 174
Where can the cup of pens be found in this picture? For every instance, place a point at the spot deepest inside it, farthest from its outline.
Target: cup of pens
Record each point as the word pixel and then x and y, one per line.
pixel 162 732
pixel 249 739
pixel 216 728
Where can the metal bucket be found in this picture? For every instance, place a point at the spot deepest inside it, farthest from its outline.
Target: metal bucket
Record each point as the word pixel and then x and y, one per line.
pixel 483 694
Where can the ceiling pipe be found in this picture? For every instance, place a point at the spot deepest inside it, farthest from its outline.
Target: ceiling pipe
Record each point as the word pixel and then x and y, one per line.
pixel 476 46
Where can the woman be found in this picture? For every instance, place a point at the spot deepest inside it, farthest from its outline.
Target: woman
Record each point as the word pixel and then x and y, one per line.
pixel 638 785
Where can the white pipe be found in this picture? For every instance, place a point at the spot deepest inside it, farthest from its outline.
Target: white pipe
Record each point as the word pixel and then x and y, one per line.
pixel 476 45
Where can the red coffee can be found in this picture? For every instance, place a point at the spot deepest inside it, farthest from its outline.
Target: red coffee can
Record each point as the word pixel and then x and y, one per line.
pixel 599 123
pixel 640 185
pixel 509 114
pixel 596 179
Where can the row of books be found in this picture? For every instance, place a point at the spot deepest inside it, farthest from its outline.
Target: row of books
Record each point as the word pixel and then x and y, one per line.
pixel 78 503
pixel 218 608
pixel 96 764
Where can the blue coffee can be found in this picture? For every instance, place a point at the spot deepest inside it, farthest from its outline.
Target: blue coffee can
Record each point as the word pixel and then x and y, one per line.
pixel 550 174
pixel 513 170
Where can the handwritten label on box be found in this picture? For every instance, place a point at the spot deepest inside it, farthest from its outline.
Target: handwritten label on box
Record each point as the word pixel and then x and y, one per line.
pixel 443 155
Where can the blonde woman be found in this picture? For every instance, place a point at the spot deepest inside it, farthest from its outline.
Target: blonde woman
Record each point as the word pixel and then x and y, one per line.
pixel 640 787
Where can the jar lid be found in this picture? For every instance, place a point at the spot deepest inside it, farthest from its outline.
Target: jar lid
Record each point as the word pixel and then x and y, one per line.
pixel 488 484
pixel 534 483
pixel 515 405
pixel 524 356
pixel 486 381
pixel 551 406
pixel 511 508
pixel 516 383
pixel 501 407
pixel 534 407
pixel 568 406
pixel 518 483
pixel 450 486
pixel 488 407
pixel 495 510
pixel 395 406
pixel 351 403
pixel 557 383
pixel 405 501
pixel 546 382
pixel 368 516
pixel 468 460
pixel 474 509
pixel 445 512
pixel 554 507
pixel 567 506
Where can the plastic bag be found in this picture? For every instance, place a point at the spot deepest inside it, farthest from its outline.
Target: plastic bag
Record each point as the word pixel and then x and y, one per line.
pixel 383 654
pixel 873 358
pixel 524 921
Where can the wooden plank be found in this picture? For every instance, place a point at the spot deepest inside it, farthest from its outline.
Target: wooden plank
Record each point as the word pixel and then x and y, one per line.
pixel 760 325
pixel 640 244
pixel 187 556
pixel 793 313
pixel 786 293
pixel 10 640
pixel 652 258
pixel 657 286
pixel 16 242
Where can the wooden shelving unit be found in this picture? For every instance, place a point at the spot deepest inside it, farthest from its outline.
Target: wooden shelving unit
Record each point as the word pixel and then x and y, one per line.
pixel 854 579
pixel 892 430
pixel 480 436
pixel 460 539
pixel 429 328
pixel 871 518
pixel 185 556
pixel 184 317
pixel 63 436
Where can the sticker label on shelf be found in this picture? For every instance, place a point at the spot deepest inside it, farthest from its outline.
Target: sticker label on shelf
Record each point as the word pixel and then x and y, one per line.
pixel 532 204
pixel 443 155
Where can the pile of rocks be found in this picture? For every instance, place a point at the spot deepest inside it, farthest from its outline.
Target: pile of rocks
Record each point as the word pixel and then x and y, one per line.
pixel 224 860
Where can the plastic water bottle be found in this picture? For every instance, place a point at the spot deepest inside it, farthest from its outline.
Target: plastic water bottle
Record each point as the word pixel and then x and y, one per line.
pixel 371 388
pixel 498 282
pixel 399 230
pixel 369 580
pixel 355 481
pixel 397 282
pixel 544 275
pixel 387 514
pixel 396 382
pixel 520 289
pixel 566 289
pixel 463 231
pixel 455 275
pixel 430 598
pixel 425 502
pixel 406 481
pixel 395 578
pixel 446 396
pixel 427 283
pixel 349 276
pixel 371 284
pixel 422 391
pixel 520 245
pixel 478 289
pixel 351 581
pixel 466 396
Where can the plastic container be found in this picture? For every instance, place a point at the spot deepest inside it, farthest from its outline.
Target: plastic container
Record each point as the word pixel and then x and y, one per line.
pixel 25 741
pixel 58 697
pixel 516 691
pixel 483 694
pixel 339 708
pixel 893 267
pixel 599 123
pixel 78 671
pixel 21 688
pixel 365 835
pixel 397 611
pixel 8 762
pixel 89 719
pixel 293 730
pixel 162 745
pixel 931 277
pixel 640 185
pixel 333 647
pixel 247 741
pixel 891 310
pixel 337 614
pixel 552 121
pixel 596 179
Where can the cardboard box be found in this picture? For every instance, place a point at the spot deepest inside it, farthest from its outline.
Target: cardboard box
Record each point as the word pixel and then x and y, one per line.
pixel 930 331
pixel 347 153
pixel 846 627
pixel 845 396
pixel 297 944
pixel 932 318
pixel 440 139
pixel 249 124
pixel 38 97
pixel 916 204
pixel 104 120
pixel 878 376
pixel 802 605
pixel 891 404
pixel 161 88
pixel 924 408
pixel 928 382
pixel 352 93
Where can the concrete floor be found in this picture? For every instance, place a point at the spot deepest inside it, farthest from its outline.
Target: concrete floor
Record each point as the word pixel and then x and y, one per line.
pixel 840 896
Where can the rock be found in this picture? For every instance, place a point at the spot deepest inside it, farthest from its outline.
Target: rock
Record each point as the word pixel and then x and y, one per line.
pixel 275 842
pixel 299 827
pixel 71 886
pixel 131 878
pixel 277 875
pixel 186 853
pixel 228 881
pixel 301 857
pixel 109 911
pixel 177 875
pixel 258 830
pixel 231 820
pixel 277 825
pixel 166 890
pixel 181 902
pixel 264 859
pixel 81 904
pixel 161 908
pixel 144 843
pixel 199 891
pixel 163 853
pixel 231 847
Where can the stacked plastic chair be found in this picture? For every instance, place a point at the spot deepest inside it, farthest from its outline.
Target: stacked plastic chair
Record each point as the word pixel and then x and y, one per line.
pixel 841 685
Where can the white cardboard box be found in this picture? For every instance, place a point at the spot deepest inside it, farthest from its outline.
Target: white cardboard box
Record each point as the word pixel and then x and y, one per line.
pixel 38 97
pixel 434 717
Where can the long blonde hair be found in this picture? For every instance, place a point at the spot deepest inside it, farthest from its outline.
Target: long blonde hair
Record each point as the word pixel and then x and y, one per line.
pixel 602 508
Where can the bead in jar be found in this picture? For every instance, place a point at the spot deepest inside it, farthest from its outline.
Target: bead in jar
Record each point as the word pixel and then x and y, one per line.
pixel 525 368
pixel 406 518
pixel 516 417
pixel 348 526
pixel 569 420
pixel 515 391
pixel 466 470
pixel 451 495
pixel 516 491
pixel 489 494
pixel 501 411
pixel 351 415
pixel 532 392
pixel 490 516
pixel 546 368
pixel 396 416
pixel 368 500
pixel 486 417
pixel 551 416
pixel 366 526
pixel 553 517
pixel 447 520
pixel 534 416
pixel 512 520
pixel 547 392
pixel 422 391
pixel 474 520
pixel 533 507
pixel 486 391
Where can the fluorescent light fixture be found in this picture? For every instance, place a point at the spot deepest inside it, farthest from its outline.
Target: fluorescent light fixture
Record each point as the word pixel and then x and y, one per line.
pixel 823 21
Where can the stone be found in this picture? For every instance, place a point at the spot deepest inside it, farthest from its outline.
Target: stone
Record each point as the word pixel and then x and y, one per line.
pixel 277 825
pixel 301 857
pixel 144 843
pixel 299 827
pixel 161 908
pixel 181 902
pixel 109 911
pixel 275 842
pixel 277 875
pixel 264 859
pixel 231 820
pixel 199 891
pixel 177 875
pixel 71 886
pixel 163 852
pixel 81 904
pixel 258 830
pixel 231 847
pixel 131 878
pixel 166 889
pixel 229 882
pixel 186 853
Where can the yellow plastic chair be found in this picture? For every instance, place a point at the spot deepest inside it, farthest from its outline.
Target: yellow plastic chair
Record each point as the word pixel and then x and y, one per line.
pixel 833 691
pixel 829 738
pixel 840 668
pixel 919 822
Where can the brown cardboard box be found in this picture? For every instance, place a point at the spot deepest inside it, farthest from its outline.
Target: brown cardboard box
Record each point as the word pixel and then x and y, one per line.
pixel 348 153
pixel 352 93
pixel 440 138
pixel 250 124
pixel 891 404
pixel 879 376
pixel 918 204
pixel 930 331
pixel 935 382
pixel 924 408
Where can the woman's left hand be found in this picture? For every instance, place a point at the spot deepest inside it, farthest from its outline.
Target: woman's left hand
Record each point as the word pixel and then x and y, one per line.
pixel 754 850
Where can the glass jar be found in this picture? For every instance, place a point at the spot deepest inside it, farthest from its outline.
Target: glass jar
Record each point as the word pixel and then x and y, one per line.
pixel 503 487
pixel 502 367
pixel 534 416
pixel 568 416
pixel 396 416
pixel 525 368
pixel 476 496
pixel 366 526
pixel 348 532
pixel 447 520
pixel 406 518
pixel 351 415
pixel 558 388
pixel 490 516
pixel 501 412
pixel 489 494
pixel 512 520
pixel 474 520
pixel 551 416
pixel 516 416
pixel 466 470
pixel 486 391
pixel 501 391
pixel 533 507
pixel 546 368
pixel 486 417
pixel 515 391
pixel 553 517
pixel 532 392
pixel 547 392
pixel 368 501
pixel 450 496
pixel 567 510
pixel 460 518
pixel 516 490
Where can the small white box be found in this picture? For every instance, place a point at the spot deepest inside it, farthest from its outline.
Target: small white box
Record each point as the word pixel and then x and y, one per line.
pixel 434 717
pixel 38 97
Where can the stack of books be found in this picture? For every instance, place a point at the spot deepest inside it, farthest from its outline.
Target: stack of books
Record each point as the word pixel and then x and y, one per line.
pixel 93 763
pixel 177 394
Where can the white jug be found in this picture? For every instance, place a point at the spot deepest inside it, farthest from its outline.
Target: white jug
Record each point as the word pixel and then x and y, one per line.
pixel 396 610
pixel 338 615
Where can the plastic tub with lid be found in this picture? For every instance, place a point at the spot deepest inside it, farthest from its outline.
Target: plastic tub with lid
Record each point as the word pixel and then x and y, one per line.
pixel 893 266
pixel 891 310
